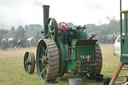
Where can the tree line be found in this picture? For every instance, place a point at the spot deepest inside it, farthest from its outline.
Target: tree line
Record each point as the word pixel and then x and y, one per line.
pixel 34 30
pixel 21 33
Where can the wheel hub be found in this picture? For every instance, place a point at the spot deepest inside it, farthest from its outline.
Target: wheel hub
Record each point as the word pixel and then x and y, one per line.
pixel 43 60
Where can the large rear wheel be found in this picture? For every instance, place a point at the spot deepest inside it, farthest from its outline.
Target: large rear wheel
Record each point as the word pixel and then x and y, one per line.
pixel 47 60
pixel 98 67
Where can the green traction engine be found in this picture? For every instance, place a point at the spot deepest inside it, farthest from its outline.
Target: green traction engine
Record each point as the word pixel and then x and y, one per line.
pixel 64 49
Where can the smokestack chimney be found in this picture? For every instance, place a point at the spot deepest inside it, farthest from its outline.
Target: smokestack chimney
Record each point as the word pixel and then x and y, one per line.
pixel 45 13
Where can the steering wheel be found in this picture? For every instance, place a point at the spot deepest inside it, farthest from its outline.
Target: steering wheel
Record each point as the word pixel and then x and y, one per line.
pixel 63 26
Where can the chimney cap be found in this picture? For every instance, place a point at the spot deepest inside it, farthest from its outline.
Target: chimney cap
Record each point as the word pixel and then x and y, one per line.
pixel 46 6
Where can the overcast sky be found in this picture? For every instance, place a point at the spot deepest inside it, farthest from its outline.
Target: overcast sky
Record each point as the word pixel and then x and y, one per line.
pixel 80 12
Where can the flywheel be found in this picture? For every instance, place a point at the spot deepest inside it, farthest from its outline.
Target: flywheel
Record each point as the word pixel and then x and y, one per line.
pixel 47 58
pixel 51 29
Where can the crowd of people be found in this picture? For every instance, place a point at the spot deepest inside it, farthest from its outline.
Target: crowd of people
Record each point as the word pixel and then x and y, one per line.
pixel 15 43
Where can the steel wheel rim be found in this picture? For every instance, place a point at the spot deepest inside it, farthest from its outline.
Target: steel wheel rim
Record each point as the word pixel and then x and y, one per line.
pixel 48 63
pixel 27 62
pixel 42 61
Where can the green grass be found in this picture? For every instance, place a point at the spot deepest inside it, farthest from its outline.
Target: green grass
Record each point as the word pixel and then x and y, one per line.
pixel 12 70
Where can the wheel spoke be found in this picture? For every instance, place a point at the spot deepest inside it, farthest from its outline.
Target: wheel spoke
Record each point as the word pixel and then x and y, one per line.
pixel 45 51
pixel 46 67
pixel 43 71
pixel 29 61
pixel 43 48
pixel 52 31
pixel 29 67
pixel 51 36
pixel 49 28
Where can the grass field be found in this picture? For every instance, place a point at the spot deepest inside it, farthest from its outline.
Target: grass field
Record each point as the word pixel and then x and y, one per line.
pixel 12 70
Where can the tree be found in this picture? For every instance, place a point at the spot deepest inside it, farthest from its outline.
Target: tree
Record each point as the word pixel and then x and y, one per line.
pixel 26 28
pixel 20 32
pixel 91 28
pixel 2 33
pixel 112 26
pixel 12 28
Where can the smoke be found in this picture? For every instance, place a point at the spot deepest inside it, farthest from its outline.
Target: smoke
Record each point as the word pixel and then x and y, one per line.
pixel 20 12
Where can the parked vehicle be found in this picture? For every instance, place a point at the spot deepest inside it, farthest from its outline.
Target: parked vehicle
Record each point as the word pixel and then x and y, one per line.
pixel 117 46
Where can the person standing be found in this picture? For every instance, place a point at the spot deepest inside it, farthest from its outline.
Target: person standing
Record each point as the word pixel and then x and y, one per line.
pixel 4 45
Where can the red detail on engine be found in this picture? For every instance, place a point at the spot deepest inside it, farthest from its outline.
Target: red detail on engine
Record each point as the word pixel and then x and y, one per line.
pixel 63 26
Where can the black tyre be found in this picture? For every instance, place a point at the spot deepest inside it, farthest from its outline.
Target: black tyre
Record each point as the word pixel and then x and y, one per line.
pixel 29 62
pixel 98 67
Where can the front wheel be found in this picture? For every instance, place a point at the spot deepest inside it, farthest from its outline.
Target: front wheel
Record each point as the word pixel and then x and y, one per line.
pixel 29 62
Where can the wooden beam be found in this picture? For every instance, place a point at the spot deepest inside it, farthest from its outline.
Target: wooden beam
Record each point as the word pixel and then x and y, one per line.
pixel 124 11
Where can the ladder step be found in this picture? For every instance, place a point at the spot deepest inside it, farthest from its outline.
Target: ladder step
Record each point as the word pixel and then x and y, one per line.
pixel 119 82
pixel 126 66
pixel 123 75
pixel 124 69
